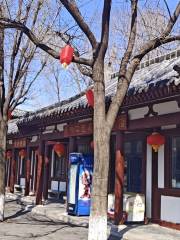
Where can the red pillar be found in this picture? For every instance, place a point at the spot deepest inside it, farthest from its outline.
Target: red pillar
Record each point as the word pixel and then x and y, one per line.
pixel 46 173
pixel 13 172
pixel 28 172
pixel 39 185
pixel 119 178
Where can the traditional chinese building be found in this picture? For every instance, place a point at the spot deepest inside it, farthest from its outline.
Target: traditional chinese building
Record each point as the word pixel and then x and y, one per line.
pixel 152 105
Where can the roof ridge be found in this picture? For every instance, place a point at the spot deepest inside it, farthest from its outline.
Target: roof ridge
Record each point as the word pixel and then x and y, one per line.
pixel 58 104
pixel 158 59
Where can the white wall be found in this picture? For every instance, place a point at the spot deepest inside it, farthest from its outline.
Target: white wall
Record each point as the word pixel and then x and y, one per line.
pixel 166 107
pixel 54 185
pixel 170 209
pixel 62 187
pixel 161 108
pixel 148 181
pixel 161 167
pixel 22 181
pixel 137 113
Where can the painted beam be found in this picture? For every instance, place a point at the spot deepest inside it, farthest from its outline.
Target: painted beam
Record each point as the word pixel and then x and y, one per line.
pixel 155 121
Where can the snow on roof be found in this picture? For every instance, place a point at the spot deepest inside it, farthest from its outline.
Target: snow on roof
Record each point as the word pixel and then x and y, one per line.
pixel 19 113
pixel 154 75
pixel 12 126
pixel 155 72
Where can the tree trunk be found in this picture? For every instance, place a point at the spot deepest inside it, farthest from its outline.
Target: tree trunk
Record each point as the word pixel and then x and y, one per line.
pixel 3 132
pixel 98 216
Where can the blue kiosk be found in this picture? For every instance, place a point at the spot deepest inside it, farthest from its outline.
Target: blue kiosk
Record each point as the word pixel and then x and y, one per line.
pixel 79 187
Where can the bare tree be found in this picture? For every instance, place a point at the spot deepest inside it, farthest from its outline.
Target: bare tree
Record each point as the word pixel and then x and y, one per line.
pixel 20 66
pixel 103 121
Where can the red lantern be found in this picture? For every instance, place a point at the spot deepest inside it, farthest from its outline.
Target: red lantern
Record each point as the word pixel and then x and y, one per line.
pixel 66 55
pixel 92 144
pixel 90 97
pixel 9 115
pixel 155 140
pixel 22 153
pixel 8 154
pixel 59 149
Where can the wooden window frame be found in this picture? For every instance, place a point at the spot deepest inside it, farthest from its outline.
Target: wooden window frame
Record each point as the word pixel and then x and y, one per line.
pixel 168 189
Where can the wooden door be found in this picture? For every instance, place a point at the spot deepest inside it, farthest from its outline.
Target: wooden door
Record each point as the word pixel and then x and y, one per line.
pixel 133 151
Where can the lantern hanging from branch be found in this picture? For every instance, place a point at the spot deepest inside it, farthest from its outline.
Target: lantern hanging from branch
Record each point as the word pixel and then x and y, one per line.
pixel 155 140
pixel 59 149
pixel 90 97
pixel 9 154
pixel 22 153
pixel 66 55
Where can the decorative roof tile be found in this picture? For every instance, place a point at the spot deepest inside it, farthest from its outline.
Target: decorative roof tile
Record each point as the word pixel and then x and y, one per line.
pixel 155 72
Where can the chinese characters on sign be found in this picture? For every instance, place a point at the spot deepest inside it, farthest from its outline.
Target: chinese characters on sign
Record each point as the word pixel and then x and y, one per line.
pixel 20 143
pixel 86 128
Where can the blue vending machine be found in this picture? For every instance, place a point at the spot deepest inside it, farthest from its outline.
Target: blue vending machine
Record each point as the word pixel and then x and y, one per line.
pixel 79 187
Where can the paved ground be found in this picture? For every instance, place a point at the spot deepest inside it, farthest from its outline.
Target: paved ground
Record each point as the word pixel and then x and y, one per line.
pixel 21 225
pixel 51 221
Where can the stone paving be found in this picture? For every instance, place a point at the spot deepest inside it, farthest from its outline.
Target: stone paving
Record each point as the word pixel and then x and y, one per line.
pixel 56 212
pixel 20 224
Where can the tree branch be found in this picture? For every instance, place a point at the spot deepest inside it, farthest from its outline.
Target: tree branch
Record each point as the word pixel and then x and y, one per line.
pixel 7 23
pixel 105 29
pixel 75 13
pixel 132 37
pixel 2 87
pixel 23 92
pixel 122 82
pixel 16 46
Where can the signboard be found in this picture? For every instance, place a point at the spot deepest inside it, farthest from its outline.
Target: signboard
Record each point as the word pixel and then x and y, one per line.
pixel 78 129
pixel 86 128
pixel 121 122
pixel 20 143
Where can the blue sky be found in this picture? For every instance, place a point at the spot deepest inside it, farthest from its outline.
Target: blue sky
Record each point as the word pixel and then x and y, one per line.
pixel 68 87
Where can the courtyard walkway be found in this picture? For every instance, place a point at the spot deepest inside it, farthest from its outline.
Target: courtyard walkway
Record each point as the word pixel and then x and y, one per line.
pixel 56 212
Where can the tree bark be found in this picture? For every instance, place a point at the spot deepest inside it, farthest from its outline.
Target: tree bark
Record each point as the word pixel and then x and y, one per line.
pixel 98 217
pixel 119 179
pixel 3 132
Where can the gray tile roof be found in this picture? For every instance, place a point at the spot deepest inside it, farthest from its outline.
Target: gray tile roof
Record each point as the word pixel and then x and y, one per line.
pixel 155 72
pixel 154 75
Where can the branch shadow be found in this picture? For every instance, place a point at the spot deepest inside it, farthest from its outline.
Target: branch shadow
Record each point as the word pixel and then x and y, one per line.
pixel 19 213
pixel 120 234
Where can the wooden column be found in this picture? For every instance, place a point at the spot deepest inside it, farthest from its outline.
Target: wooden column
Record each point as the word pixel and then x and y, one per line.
pixel 9 172
pixel 39 185
pixel 156 201
pixel 13 171
pixel 46 173
pixel 119 178
pixel 72 144
pixel 28 172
